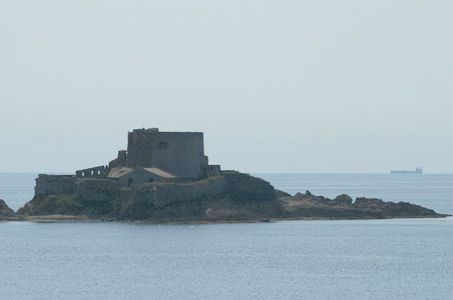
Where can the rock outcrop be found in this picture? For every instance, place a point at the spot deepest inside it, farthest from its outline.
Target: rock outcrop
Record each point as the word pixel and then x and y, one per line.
pixel 5 211
pixel 342 207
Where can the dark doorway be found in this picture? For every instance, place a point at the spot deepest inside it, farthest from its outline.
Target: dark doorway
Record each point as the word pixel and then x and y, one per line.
pixel 130 181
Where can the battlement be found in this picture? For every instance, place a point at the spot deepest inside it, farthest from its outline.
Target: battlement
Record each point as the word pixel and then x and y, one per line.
pixel 100 171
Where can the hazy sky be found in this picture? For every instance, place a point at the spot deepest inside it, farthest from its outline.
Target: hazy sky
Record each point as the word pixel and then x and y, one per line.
pixel 277 86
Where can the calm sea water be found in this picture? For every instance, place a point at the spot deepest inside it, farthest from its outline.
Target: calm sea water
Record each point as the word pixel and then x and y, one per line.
pixel 375 259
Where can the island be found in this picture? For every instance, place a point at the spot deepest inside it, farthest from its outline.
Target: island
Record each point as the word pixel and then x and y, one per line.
pixel 166 177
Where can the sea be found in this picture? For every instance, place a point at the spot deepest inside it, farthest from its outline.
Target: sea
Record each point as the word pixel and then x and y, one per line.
pixel 350 259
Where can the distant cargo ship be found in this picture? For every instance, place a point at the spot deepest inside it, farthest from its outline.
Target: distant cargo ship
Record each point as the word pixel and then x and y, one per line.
pixel 418 170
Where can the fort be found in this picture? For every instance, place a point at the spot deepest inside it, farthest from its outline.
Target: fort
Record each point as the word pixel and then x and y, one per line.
pixel 152 156
pixel 164 155
pixel 157 170
pixel 166 176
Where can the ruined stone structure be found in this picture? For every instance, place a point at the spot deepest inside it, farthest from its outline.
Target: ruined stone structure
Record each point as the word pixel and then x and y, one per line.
pixel 151 157
pixel 94 172
pixel 179 154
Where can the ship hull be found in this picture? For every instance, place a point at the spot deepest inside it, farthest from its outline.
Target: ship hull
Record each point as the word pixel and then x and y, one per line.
pixel 406 172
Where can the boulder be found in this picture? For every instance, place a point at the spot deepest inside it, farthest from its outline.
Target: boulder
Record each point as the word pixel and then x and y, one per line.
pixel 5 211
pixel 343 199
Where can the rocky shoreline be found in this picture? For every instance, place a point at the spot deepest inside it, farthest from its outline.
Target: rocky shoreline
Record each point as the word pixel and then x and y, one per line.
pixel 246 199
pixel 84 218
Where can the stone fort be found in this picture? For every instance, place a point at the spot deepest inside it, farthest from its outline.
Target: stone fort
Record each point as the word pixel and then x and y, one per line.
pixel 171 161
pixel 166 155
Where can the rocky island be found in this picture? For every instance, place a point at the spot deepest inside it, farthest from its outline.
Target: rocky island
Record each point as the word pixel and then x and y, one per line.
pixel 166 177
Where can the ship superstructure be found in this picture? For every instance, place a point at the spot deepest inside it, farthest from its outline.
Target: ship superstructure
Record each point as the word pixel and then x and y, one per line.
pixel 417 170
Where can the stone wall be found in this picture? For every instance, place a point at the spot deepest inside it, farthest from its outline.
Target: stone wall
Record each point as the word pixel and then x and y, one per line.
pixel 91 189
pixel 213 170
pixel 162 194
pixel 55 184
pixel 178 153
pixel 120 161
pixel 94 172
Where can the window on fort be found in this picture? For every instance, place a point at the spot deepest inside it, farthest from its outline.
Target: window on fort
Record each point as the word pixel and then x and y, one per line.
pixel 163 145
pixel 150 180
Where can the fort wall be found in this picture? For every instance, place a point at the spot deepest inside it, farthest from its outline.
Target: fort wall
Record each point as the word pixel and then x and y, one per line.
pixel 213 170
pixel 120 161
pixel 55 184
pixel 162 194
pixel 94 172
pixel 101 190
pixel 179 153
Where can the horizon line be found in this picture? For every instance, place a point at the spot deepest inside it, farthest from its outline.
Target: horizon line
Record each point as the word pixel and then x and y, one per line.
pixel 253 172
